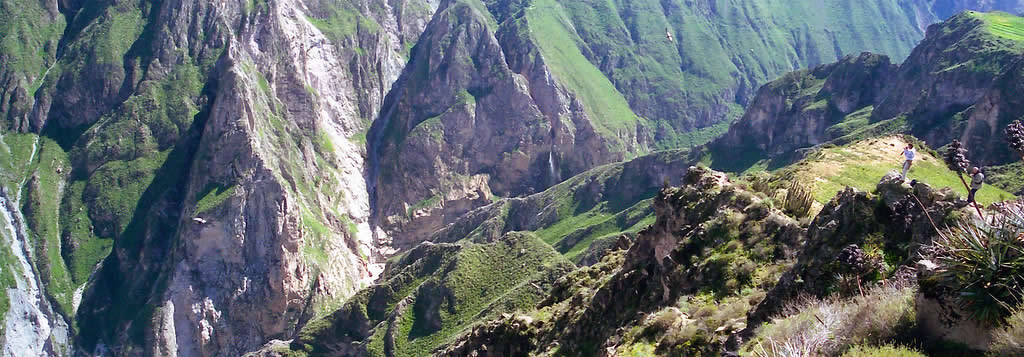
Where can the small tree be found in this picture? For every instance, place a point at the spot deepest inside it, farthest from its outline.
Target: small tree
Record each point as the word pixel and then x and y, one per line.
pixel 956 160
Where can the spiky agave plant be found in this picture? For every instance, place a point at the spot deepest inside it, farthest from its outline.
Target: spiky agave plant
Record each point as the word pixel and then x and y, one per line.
pixel 798 200
pixel 984 265
pixel 1015 136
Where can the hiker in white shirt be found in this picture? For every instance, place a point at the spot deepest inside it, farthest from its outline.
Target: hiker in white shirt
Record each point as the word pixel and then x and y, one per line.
pixel 908 154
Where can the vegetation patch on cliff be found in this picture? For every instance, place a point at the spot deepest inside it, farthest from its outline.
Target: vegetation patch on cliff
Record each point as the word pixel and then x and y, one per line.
pixel 212 196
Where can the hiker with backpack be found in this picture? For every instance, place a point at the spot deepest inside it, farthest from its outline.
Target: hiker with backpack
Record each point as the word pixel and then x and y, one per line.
pixel 977 179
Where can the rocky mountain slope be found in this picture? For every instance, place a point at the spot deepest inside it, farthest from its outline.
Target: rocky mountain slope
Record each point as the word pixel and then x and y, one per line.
pixel 720 243
pixel 592 84
pixel 694 282
pixel 961 82
pixel 715 265
pixel 205 148
pixel 198 178
pixel 719 261
pixel 534 236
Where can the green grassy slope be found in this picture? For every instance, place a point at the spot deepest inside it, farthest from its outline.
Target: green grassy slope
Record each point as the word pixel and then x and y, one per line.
pixel 434 292
pixel 583 215
pixel 28 38
pixel 1004 25
pixel 1008 177
pixel 614 54
pixel 554 34
pixel 977 42
pixel 972 57
pixel 719 56
pixel 36 168
pixel 863 163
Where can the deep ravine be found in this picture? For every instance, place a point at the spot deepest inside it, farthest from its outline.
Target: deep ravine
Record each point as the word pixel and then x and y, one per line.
pixel 30 323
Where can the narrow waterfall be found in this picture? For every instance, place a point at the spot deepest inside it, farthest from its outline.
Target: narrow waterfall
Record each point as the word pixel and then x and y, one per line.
pixel 553 171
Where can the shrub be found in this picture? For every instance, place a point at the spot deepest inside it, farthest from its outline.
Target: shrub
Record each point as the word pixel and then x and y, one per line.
pixel 826 327
pixel 983 264
pixel 761 182
pixel 708 327
pixel 882 351
pixel 1009 340
pixel 726 274
pixel 664 320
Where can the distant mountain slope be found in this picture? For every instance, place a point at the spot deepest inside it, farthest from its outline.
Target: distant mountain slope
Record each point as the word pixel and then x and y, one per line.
pixel 582 216
pixel 508 98
pixel 164 154
pixel 962 82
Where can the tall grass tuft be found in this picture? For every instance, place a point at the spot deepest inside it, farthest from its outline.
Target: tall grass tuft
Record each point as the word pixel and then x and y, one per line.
pixel 830 326
pixel 882 351
pixel 1009 339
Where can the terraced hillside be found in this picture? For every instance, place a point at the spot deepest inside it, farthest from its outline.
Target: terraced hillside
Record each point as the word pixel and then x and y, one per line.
pixel 1006 25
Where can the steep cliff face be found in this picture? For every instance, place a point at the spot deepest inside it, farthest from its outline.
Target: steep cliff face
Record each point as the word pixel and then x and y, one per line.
pixel 466 122
pixel 29 36
pixel 799 109
pixel 267 224
pixel 215 151
pixel 35 296
pixel 955 85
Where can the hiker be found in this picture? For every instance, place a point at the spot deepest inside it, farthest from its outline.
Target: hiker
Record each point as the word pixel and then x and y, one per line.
pixel 908 154
pixel 977 179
